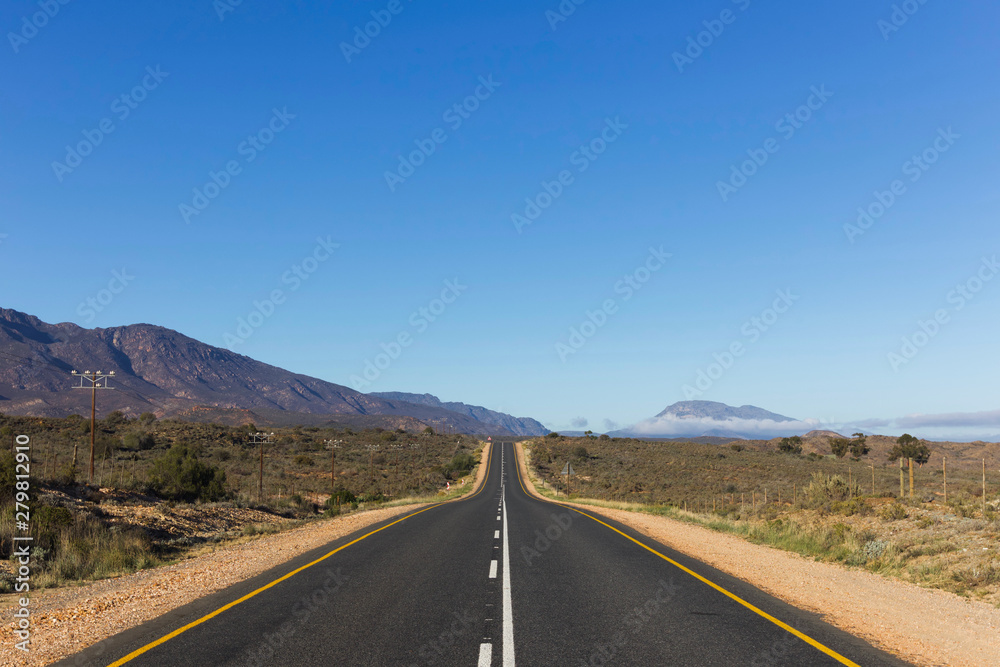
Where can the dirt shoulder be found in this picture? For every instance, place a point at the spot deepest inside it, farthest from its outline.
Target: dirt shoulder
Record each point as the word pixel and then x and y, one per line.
pixel 923 626
pixel 67 620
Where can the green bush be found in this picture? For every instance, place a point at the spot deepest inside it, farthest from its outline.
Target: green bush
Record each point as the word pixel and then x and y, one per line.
pixel 340 497
pixel 460 465
pixel 824 489
pixel 179 475
pixel 792 445
pixel 139 441
pixel 892 512
pixel 7 476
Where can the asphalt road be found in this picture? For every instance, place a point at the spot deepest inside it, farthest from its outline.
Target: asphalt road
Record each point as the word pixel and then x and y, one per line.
pixel 499 578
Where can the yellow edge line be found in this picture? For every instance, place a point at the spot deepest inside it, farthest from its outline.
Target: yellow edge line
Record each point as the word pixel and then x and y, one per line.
pixel 148 647
pixel 781 624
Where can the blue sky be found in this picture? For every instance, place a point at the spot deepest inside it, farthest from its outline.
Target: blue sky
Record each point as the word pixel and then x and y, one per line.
pixel 327 131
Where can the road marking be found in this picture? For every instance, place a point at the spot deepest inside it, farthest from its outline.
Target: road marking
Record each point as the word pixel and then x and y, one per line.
pixel 781 624
pixel 493 569
pixel 508 607
pixel 496 534
pixel 485 655
pixel 139 651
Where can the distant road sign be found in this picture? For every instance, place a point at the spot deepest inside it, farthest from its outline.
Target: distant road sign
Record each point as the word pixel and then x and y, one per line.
pixel 568 469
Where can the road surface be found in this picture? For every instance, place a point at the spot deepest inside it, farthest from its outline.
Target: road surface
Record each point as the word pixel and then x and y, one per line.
pixel 496 579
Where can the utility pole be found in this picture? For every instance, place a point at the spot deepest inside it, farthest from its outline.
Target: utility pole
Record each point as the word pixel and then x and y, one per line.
pixel 261 439
pixel 911 477
pixel 95 380
pixel 333 445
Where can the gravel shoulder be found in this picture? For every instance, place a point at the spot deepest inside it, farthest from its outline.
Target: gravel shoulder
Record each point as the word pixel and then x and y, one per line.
pixel 923 626
pixel 67 620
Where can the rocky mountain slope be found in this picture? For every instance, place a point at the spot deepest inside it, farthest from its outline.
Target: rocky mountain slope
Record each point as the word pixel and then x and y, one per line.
pixel 162 371
pixel 516 425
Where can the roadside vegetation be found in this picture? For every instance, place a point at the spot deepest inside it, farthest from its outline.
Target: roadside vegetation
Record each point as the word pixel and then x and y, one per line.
pixel 164 488
pixel 820 505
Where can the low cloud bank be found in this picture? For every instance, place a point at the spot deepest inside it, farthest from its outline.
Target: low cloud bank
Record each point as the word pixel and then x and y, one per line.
pixel 954 426
pixel 674 427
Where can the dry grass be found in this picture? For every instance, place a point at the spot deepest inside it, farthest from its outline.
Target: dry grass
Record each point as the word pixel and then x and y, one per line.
pixel 823 513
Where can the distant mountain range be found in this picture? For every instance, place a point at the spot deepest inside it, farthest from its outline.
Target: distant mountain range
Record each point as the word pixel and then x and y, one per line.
pixel 162 371
pixel 515 425
pixel 709 419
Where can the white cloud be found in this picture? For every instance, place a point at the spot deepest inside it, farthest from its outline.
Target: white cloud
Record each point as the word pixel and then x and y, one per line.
pixel 670 426
pixel 578 422
pixel 954 426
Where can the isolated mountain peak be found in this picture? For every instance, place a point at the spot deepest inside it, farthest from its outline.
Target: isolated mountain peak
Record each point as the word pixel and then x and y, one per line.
pixel 719 411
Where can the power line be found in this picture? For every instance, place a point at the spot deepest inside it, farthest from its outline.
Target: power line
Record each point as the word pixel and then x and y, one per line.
pixel 94 378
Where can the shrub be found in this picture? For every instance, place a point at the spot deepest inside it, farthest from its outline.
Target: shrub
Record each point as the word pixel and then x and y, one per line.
pixel 139 441
pixel 460 464
pixel 824 489
pixel 7 476
pixel 840 447
pixel 792 445
pixel 179 475
pixel 892 512
pixel 304 460
pixel 851 507
pixel 340 497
